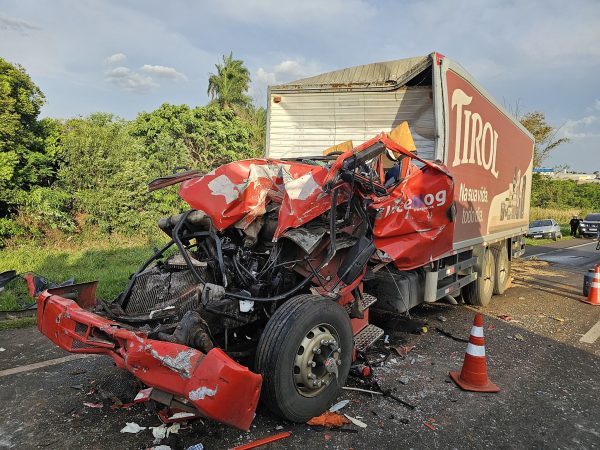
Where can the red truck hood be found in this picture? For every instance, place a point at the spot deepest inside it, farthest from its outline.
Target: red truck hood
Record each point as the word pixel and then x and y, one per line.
pixel 239 192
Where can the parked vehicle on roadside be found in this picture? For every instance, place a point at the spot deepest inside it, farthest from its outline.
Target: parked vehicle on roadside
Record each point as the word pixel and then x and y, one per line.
pixel 546 229
pixel 265 285
pixel 590 225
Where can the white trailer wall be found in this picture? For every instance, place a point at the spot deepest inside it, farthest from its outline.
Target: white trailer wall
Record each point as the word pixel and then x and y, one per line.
pixel 306 123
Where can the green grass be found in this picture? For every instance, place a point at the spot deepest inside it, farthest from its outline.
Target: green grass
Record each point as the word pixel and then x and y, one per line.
pixel 110 261
pixel 17 323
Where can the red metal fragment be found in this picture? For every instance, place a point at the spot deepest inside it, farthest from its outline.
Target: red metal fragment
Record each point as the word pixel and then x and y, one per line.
pixel 263 441
pixel 215 384
pixel 431 427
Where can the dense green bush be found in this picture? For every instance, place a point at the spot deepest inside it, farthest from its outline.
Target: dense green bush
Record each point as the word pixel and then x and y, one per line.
pixel 566 194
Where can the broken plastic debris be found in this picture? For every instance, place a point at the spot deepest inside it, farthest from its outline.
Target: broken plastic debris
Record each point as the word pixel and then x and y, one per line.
pixel 403 350
pixel 182 415
pixel 159 433
pixel 441 318
pixel 195 447
pixel 93 405
pixel 263 441
pixel 559 319
pixel 518 337
pixel 160 447
pixel 339 405
pixel 2 349
pixel 143 396
pixel 329 419
pixel 132 427
pixel 431 427
pixel 355 421
pixel 386 339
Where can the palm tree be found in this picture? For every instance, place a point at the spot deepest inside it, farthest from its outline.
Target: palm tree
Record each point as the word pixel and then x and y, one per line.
pixel 228 87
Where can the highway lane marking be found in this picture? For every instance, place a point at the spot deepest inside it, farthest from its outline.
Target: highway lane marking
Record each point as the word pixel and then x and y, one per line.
pixel 592 334
pixel 39 365
pixel 564 248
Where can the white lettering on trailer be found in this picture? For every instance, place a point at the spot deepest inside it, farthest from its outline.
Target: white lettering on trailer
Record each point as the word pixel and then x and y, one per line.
pixel 477 141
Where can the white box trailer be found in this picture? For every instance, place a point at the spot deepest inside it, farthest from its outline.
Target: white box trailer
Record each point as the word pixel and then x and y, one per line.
pixel 453 120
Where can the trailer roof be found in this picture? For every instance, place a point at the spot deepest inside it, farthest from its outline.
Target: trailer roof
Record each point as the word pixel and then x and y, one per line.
pixel 380 76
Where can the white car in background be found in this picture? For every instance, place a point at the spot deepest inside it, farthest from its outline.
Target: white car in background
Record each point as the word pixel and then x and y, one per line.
pixel 546 228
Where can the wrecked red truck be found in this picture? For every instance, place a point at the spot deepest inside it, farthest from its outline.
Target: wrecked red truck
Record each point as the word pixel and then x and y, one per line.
pixel 264 287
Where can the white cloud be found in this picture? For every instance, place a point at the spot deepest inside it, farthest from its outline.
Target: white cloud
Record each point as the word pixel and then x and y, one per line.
pixel 287 70
pixel 586 127
pixel 125 78
pixel 164 72
pixel 117 58
pixel 14 24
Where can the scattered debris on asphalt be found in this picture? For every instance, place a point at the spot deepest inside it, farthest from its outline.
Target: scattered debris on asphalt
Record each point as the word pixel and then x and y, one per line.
pixel 355 421
pixel 170 416
pixel 339 405
pixel 132 427
pixel 93 405
pixel 450 335
pixel 197 446
pixel 441 318
pixel 431 424
pixel 403 350
pixel 263 441
pixel 329 420
pixel 558 319
pixel 366 391
pixel 2 349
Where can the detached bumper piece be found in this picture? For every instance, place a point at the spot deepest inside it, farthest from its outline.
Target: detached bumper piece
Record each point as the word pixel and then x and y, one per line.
pixel 213 383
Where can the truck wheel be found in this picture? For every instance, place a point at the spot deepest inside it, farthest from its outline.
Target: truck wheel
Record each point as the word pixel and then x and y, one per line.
pixel 304 355
pixel 502 269
pixel 479 292
pixel 554 236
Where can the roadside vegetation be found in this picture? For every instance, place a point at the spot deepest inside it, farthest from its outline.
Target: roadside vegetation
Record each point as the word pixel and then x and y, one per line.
pixel 73 192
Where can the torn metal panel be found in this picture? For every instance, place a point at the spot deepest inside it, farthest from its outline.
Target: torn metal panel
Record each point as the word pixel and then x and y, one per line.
pixel 214 384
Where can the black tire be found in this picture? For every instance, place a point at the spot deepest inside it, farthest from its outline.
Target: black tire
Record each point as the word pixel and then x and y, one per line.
pixel 279 346
pixel 501 269
pixel 554 236
pixel 479 292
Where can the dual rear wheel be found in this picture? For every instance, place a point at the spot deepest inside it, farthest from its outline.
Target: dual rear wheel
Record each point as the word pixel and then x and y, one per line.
pixel 493 276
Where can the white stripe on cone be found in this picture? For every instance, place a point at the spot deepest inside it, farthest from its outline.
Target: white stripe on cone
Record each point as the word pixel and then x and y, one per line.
pixel 595 285
pixel 477 331
pixel 475 350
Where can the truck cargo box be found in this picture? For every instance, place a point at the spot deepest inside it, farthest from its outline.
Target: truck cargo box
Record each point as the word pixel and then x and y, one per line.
pixel 451 117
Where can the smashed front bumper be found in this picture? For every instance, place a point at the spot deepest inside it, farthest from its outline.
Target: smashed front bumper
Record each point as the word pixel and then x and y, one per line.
pixel 218 387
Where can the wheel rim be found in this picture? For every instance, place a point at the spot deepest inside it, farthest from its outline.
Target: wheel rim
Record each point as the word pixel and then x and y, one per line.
pixel 487 275
pixel 502 271
pixel 317 360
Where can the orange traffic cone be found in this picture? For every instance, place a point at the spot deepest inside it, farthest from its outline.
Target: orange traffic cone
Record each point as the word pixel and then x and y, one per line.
pixel 594 293
pixel 473 376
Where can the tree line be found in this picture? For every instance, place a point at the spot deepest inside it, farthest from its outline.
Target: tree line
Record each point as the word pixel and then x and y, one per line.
pixel 92 172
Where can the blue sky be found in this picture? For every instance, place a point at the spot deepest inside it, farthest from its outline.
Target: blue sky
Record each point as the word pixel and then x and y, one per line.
pixel 130 56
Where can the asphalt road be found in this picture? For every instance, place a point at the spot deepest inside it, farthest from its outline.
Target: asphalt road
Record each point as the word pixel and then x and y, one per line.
pixel 550 384
pixel 578 253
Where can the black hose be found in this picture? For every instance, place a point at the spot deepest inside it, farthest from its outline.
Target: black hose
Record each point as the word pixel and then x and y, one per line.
pixel 182 249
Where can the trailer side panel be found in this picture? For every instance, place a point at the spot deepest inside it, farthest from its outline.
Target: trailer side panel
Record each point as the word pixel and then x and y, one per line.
pixel 491 159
